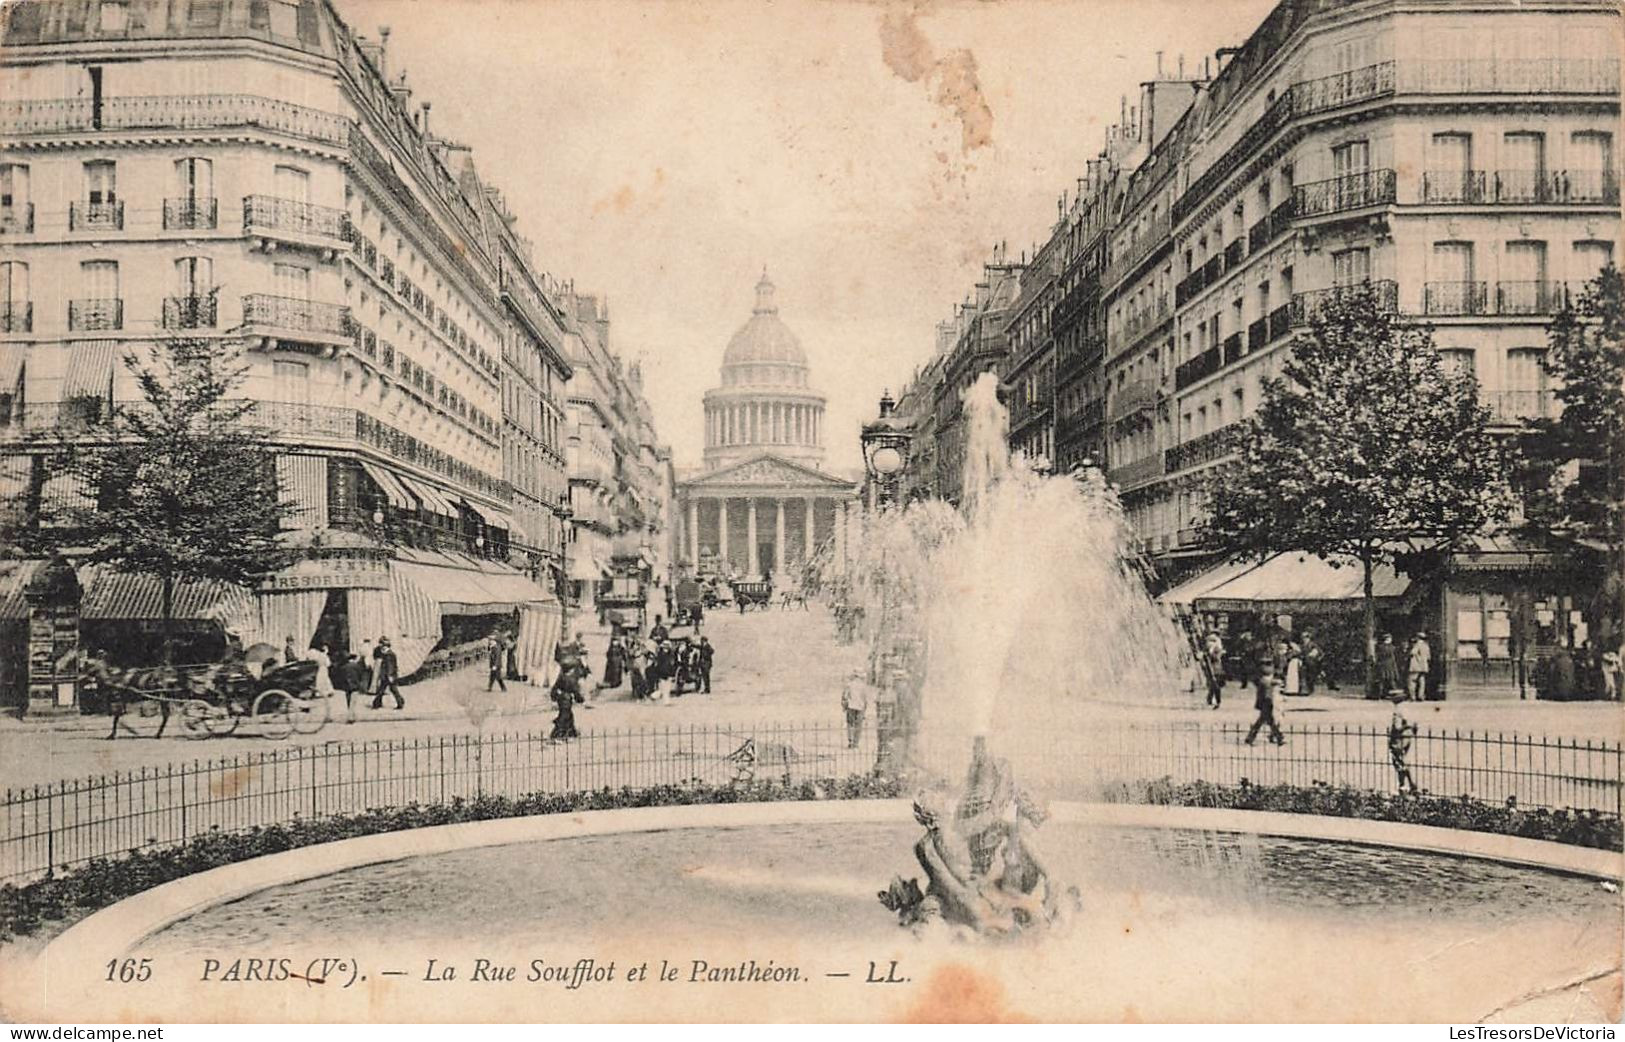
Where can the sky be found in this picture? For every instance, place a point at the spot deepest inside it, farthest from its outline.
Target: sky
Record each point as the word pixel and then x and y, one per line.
pixel 661 153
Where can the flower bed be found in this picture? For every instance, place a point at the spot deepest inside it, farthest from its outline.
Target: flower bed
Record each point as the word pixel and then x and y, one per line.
pixel 1579 828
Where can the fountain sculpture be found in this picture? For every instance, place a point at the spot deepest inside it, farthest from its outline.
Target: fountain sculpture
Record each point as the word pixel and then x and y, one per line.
pixel 1010 617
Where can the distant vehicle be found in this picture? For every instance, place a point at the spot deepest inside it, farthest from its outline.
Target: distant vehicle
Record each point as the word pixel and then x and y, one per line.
pixel 689 594
pixel 753 595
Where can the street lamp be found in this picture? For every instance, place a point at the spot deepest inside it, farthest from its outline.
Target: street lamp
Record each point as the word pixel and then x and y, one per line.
pixel 886 441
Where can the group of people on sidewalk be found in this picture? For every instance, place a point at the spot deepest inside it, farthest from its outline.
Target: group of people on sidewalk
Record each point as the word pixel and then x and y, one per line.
pixel 375 670
pixel 1296 664
pixel 659 666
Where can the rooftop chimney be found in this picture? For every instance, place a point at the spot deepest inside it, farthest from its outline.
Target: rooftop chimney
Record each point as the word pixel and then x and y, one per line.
pixel 425 118
pixel 383 52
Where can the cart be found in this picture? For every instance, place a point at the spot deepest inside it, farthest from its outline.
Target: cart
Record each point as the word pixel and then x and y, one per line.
pixel 215 699
pixel 753 595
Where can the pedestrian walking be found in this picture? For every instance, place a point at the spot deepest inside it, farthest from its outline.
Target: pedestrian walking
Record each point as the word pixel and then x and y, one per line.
pixel 855 702
pixel 614 657
pixel 697 615
pixel 1390 681
pixel 1421 663
pixel 1313 659
pixel 322 682
pixel 1213 654
pixel 494 654
pixel 1265 690
pixel 349 677
pixel 1611 660
pixel 389 675
pixel 1401 737
pixel 566 694
pixel 706 654
pixel 658 632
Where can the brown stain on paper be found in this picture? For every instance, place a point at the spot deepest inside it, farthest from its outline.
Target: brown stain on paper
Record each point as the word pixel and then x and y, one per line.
pixel 953 78
pixel 960 994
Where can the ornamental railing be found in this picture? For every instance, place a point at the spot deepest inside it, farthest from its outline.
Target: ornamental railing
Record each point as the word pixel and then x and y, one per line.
pixel 295 313
pixel 1234 347
pixel 1133 398
pixel 170 112
pixel 16 316
pixel 1131 475
pixel 95 313
pixel 1510 76
pixel 190 312
pixel 84 216
pixel 1454 186
pixel 1215 444
pixel 1349 192
pixel 1306 307
pixel 1517 406
pixel 17 219
pixel 1537 297
pixel 1455 298
pixel 1203 365
pixel 191 214
pixel 295 217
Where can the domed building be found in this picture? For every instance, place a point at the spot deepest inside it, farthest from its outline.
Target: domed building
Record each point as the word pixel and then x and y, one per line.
pixel 762 503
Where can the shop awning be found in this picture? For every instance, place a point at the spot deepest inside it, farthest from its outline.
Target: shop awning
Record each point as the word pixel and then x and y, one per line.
pixel 462 588
pixel 1299 582
pixel 14 579
pixel 393 490
pixel 111 594
pixel 90 370
pixel 1185 594
pixel 478 512
pixel 432 500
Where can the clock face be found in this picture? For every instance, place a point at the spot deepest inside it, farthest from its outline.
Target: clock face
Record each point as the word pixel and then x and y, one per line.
pixel 887 460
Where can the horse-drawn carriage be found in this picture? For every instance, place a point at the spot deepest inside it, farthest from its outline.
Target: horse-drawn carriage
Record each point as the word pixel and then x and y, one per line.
pixel 752 595
pixel 214 699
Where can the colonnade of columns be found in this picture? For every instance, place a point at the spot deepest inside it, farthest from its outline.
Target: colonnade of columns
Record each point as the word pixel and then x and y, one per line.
pixel 707 524
pixel 764 423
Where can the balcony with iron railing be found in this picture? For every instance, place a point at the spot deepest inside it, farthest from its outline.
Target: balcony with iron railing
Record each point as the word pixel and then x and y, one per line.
pixel 1455 298
pixel 1537 297
pixel 1213 445
pixel 277 218
pixel 196 311
pixel 1454 186
pixel 1132 475
pixel 88 216
pixel 191 214
pixel 1134 398
pixel 170 112
pixel 1306 306
pixel 294 318
pixel 16 316
pixel 17 219
pixel 1234 253
pixel 1202 366
pixel 1234 347
pixel 1598 76
pixel 1514 407
pixel 94 314
pixel 1342 194
pixel 1280 323
pixel 1154 234
pixel 1556 187
pixel 1258 334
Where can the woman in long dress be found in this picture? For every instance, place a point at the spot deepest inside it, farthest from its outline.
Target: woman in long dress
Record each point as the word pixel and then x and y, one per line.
pixel 323 683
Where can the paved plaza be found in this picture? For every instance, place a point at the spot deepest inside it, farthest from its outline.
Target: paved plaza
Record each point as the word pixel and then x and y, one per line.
pixel 772 667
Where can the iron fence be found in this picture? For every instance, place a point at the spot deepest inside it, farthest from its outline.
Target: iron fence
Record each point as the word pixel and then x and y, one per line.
pixel 56 826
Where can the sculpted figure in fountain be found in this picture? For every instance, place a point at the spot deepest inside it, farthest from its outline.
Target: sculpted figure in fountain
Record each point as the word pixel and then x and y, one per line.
pixel 985 872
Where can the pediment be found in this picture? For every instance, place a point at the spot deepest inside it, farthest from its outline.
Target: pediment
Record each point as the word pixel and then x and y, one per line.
pixel 769 472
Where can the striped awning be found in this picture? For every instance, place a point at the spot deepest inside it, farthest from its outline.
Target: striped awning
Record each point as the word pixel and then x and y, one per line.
pixel 62 494
pixel 391 486
pixel 433 502
pixel 90 370
pixel 1299 582
pixel 479 513
pixel 16 475
pixel 122 595
pixel 303 482
pixel 14 579
pixel 1185 594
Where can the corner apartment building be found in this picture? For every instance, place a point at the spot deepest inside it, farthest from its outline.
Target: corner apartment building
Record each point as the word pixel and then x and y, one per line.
pixel 1460 158
pixel 253 172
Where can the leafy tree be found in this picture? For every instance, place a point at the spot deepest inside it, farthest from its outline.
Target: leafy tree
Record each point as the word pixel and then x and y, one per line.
pixel 1574 479
pixel 1366 447
pixel 184 487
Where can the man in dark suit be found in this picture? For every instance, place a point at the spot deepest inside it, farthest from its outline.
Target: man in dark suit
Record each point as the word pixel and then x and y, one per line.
pixel 706 654
pixel 389 673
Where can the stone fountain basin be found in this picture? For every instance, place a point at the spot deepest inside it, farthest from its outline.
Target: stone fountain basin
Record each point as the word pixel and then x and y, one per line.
pixel 1189 914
